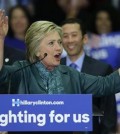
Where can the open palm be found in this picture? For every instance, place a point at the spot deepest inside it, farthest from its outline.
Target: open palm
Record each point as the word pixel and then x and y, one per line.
pixel 3 25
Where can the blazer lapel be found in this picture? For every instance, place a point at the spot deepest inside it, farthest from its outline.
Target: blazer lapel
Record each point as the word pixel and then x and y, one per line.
pixel 37 76
pixel 64 73
pixel 85 66
pixel 66 80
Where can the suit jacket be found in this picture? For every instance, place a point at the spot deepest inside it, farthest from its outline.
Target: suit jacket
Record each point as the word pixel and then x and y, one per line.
pixel 28 81
pixel 11 55
pixel 105 104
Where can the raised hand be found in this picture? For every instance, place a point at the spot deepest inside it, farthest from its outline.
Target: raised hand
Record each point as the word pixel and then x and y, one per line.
pixel 3 25
pixel 3 33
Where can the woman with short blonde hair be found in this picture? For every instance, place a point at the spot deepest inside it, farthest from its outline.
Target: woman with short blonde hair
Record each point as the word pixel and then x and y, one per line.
pixel 36 32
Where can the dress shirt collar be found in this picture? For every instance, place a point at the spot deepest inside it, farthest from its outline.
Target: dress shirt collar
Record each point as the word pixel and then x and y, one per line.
pixel 78 62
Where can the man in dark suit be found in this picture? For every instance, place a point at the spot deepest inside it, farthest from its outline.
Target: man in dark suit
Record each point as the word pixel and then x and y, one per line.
pixel 74 36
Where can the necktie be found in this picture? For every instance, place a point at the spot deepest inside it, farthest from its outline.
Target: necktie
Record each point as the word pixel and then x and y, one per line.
pixel 73 65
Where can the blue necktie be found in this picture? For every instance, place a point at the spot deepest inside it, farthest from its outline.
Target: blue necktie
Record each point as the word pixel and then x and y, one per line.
pixel 73 65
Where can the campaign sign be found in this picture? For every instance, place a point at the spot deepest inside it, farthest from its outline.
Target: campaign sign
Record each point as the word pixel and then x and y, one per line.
pixel 105 47
pixel 35 112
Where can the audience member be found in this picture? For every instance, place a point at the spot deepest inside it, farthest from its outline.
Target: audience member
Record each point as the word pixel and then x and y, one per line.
pixel 19 21
pixel 74 38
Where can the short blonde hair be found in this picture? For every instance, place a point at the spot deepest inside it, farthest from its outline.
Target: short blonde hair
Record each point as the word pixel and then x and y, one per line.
pixel 35 33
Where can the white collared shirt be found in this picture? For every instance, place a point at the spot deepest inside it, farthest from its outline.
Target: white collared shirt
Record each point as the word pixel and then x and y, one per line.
pixel 78 62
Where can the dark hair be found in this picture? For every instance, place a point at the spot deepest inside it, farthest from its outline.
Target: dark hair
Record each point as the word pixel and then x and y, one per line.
pixel 73 21
pixel 26 12
pixel 113 15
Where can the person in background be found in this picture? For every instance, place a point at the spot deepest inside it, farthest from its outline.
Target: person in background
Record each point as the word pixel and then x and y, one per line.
pixel 104 32
pixel 115 3
pixel 44 41
pixel 74 38
pixel 104 21
pixel 62 8
pixel 19 21
pixel 11 55
pixel 6 5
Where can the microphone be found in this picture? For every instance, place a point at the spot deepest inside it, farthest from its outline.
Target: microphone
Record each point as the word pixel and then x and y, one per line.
pixel 10 78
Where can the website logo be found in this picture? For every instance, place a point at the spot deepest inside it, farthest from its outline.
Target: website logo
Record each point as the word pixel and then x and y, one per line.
pixel 15 102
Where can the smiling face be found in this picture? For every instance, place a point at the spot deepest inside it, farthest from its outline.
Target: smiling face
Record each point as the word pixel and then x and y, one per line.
pixel 73 39
pixel 52 45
